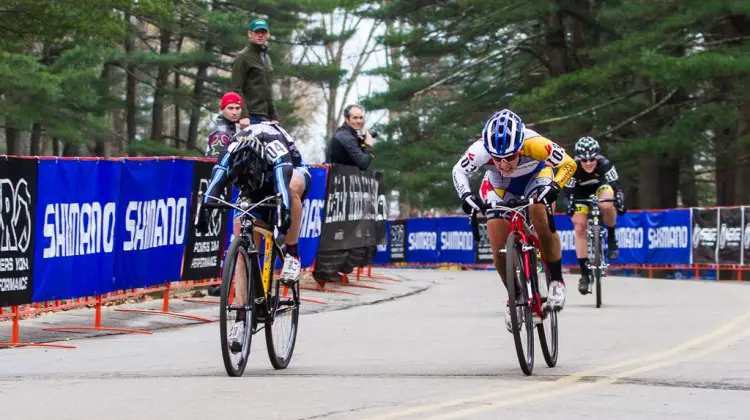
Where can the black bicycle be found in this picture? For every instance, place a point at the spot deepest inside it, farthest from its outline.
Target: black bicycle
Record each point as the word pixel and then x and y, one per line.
pixel 262 299
pixel 596 263
pixel 528 301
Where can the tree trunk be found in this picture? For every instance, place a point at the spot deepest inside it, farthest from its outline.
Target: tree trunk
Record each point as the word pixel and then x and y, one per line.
pixel 13 139
pixel 331 113
pixel 36 140
pixel 177 130
pixel 555 46
pixel 195 112
pixel 162 78
pixel 103 141
pixel 648 190
pixel 71 149
pixel 688 186
pixel 55 146
pixel 669 181
pixel 131 85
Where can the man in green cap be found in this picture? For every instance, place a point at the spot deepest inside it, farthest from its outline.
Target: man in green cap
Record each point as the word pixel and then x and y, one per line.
pixel 252 73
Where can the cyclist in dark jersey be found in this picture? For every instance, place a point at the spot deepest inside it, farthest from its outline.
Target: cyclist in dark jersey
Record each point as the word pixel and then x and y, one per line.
pixel 262 160
pixel 595 176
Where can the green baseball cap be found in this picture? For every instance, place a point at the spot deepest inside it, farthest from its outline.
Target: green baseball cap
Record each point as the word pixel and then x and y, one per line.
pixel 258 24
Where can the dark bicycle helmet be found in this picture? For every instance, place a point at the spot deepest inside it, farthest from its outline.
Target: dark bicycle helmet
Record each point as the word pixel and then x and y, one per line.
pixel 586 148
pixel 246 164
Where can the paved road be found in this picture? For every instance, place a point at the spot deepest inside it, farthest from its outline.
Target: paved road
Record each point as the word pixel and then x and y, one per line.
pixel 658 349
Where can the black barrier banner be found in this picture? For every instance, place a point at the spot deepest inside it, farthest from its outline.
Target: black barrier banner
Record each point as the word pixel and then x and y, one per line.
pixel 730 235
pixel 398 241
pixel 17 208
pixel 705 235
pixel 482 244
pixel 381 225
pixel 203 252
pixel 746 235
pixel 350 209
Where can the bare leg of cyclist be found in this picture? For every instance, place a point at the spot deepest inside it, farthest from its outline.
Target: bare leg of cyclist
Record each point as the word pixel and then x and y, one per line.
pixel 552 252
pixel 609 214
pixel 497 230
pixel 580 220
pixel 291 269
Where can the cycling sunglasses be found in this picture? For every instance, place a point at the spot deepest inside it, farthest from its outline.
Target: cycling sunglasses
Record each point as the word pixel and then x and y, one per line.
pixel 589 160
pixel 506 158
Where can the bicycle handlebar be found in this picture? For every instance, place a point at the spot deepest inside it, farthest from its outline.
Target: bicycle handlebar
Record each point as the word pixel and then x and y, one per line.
pixel 222 206
pixel 591 200
pixel 512 205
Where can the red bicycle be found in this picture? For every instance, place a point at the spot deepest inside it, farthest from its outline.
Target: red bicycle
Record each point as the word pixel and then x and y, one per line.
pixel 529 308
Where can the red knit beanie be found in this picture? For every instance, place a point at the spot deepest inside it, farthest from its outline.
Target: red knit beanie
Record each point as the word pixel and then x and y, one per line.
pixel 230 98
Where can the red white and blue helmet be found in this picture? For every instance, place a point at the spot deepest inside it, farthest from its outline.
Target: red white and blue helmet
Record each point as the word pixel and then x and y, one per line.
pixel 503 134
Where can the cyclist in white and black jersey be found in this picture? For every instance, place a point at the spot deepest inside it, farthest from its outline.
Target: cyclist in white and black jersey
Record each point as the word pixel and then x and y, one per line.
pixel 262 160
pixel 595 175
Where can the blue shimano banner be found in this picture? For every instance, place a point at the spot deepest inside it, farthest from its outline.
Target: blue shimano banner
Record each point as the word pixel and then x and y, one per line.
pixel 668 237
pixel 564 226
pixel 383 253
pixel 630 238
pixel 152 221
pixel 74 246
pixel 456 244
pixel 312 217
pixel 421 240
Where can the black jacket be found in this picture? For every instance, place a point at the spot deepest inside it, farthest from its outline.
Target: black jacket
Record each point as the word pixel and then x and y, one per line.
pixel 345 149
pixel 252 74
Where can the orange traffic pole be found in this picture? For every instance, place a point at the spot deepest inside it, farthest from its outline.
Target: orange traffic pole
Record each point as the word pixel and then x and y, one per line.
pixel 15 333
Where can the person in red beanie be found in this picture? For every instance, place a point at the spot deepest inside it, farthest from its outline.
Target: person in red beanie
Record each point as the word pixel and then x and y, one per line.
pixel 225 124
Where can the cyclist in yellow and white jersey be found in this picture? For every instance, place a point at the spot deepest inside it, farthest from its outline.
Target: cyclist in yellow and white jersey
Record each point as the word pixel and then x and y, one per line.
pixel 518 162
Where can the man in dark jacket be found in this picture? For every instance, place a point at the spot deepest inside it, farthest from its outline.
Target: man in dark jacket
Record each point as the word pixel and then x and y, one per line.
pixel 351 145
pixel 252 74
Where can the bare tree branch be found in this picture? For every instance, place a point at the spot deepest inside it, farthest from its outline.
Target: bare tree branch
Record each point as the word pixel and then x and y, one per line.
pixel 640 114
pixel 589 110
pixel 363 58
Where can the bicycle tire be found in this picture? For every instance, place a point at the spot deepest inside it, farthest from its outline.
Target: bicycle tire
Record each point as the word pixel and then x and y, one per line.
pixel 283 305
pixel 549 345
pixel 597 262
pixel 238 247
pixel 513 267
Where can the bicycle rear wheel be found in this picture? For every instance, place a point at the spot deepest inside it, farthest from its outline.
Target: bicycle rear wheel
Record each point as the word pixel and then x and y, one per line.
pixel 520 311
pixel 547 329
pixel 596 271
pixel 235 361
pixel 283 319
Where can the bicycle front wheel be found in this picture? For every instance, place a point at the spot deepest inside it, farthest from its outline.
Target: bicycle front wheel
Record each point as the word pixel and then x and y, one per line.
pixel 235 359
pixel 547 329
pixel 283 320
pixel 520 310
pixel 597 260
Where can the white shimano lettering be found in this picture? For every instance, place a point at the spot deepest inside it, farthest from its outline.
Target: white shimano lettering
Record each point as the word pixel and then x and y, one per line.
pixel 155 223
pixel 629 237
pixel 426 241
pixel 456 241
pixel 311 223
pixel 668 237
pixel 78 229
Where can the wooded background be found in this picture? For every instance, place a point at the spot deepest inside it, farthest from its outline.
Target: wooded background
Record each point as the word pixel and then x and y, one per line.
pixel 662 84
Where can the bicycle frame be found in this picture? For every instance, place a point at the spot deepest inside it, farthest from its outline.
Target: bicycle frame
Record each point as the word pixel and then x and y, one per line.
pixel 594 219
pixel 248 226
pixel 529 243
